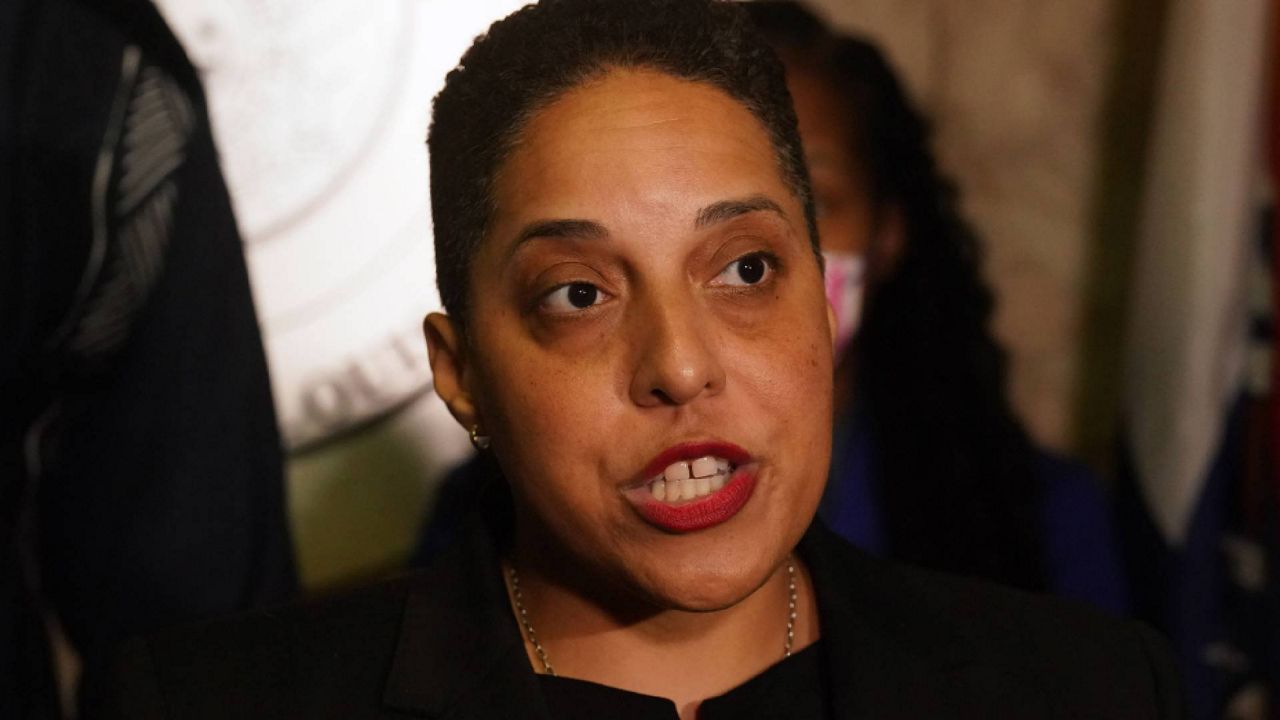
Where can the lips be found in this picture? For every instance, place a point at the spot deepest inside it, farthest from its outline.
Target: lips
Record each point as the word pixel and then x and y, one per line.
pixel 692 451
pixel 693 486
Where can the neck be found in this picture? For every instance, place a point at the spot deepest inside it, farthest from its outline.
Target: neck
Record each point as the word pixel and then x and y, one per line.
pixel 684 656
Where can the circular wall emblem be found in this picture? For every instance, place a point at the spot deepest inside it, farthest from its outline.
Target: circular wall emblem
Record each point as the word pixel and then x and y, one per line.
pixel 320 111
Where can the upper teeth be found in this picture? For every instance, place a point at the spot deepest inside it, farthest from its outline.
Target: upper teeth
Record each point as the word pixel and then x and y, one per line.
pixel 686 480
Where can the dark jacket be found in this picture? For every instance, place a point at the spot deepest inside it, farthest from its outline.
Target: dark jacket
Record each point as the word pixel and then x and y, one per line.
pixel 140 465
pixel 899 642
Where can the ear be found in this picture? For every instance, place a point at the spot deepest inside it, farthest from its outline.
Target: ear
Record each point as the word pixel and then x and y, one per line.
pixel 446 349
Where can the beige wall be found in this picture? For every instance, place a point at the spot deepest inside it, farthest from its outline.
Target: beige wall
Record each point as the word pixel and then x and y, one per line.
pixel 1014 88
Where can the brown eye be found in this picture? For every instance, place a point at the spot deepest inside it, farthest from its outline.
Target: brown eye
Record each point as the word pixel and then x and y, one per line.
pixel 572 297
pixel 582 295
pixel 747 270
pixel 751 269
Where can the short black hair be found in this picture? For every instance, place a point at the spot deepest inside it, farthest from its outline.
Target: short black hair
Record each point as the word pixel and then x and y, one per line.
pixel 527 60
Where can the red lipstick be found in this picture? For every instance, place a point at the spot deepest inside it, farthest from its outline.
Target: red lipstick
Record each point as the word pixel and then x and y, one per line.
pixel 693 451
pixel 703 512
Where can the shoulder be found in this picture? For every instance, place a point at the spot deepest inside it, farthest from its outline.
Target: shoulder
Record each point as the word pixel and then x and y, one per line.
pixel 424 644
pixel 953 642
pixel 313 658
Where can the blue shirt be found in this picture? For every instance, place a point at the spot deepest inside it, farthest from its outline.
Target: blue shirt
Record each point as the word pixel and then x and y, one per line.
pixel 1082 557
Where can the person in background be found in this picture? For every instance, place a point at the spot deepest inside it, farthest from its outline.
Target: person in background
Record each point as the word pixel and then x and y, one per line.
pixel 140 465
pixel 930 464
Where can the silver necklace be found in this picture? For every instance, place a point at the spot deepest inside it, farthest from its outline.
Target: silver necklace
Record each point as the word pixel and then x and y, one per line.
pixel 517 599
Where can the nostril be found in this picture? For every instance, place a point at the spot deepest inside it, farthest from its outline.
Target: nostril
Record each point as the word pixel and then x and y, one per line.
pixel 662 396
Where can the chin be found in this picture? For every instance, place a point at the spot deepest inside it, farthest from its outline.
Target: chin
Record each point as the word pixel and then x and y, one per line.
pixel 702 581
pixel 717 568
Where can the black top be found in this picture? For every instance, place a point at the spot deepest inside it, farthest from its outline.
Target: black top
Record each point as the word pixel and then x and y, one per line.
pixel 897 643
pixel 793 689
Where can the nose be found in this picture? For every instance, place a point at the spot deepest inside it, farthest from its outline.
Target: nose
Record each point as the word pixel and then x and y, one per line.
pixel 677 359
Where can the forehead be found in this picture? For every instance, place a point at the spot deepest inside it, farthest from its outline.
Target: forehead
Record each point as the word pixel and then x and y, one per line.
pixel 636 140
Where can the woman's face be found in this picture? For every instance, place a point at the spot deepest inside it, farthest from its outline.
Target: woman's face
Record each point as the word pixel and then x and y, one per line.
pixel 646 306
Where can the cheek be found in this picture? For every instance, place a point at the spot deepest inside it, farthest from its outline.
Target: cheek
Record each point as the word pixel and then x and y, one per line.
pixel 786 367
pixel 558 403
pixel 789 392
pixel 556 429
pixel 549 417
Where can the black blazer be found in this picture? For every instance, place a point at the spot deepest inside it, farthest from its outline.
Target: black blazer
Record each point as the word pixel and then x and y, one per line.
pixel 898 643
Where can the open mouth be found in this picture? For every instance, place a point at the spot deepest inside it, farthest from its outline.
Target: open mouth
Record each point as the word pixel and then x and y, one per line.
pixel 694 486
pixel 683 481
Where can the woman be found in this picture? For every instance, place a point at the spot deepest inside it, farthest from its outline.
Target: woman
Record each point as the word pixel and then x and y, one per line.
pixel 638 336
pixel 930 466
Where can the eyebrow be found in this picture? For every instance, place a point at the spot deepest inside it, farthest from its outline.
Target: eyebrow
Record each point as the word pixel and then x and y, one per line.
pixel 726 210
pixel 712 214
pixel 573 229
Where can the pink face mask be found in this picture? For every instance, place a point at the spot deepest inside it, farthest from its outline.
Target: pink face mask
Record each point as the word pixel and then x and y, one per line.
pixel 843 276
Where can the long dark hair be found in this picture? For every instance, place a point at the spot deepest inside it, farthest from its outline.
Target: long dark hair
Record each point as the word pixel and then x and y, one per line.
pixel 954 472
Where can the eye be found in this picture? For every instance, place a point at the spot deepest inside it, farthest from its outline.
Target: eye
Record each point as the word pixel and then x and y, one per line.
pixel 747 270
pixel 573 297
